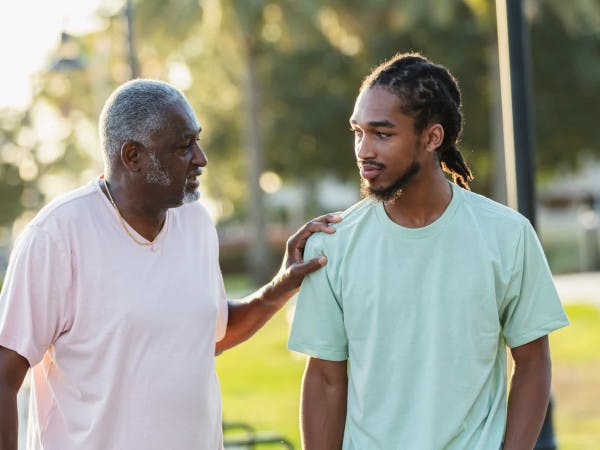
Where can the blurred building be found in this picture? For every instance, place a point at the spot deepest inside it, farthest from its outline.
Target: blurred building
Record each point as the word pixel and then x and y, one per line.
pixel 569 220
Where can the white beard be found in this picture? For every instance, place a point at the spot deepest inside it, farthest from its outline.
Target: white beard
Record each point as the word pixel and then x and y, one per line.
pixel 189 197
pixel 157 174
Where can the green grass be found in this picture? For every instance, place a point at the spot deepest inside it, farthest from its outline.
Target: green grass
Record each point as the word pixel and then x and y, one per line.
pixel 578 343
pixel 576 379
pixel 260 381
pixel 237 285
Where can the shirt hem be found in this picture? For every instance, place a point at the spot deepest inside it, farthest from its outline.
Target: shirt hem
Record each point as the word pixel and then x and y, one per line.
pixel 326 354
pixel 536 334
pixel 12 344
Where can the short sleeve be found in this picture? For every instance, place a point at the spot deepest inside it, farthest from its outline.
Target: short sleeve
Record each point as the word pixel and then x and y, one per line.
pixel 318 327
pixel 34 307
pixel 222 309
pixel 215 270
pixel 531 308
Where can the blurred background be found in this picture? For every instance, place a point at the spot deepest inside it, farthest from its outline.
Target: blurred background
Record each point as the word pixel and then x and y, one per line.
pixel 273 84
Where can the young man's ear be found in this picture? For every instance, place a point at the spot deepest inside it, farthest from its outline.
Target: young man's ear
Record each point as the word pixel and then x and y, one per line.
pixel 434 136
pixel 131 155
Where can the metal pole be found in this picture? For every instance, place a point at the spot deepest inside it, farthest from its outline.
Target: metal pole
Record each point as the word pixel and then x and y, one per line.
pixel 515 85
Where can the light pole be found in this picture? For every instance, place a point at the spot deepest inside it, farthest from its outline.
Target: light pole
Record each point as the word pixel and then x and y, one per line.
pixel 515 85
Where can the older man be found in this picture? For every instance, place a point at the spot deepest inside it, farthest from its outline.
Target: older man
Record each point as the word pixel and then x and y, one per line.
pixel 114 295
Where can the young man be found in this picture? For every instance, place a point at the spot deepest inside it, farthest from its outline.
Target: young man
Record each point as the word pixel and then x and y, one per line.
pixel 427 283
pixel 114 295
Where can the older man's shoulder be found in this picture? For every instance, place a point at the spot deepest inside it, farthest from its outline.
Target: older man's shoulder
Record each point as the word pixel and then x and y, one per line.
pixel 68 206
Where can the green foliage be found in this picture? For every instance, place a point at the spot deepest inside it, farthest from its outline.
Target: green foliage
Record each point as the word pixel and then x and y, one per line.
pixel 566 92
pixel 13 189
pixel 309 59
pixel 12 186
pixel 164 25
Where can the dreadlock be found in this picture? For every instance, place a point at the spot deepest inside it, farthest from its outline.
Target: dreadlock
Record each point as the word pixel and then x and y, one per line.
pixel 430 94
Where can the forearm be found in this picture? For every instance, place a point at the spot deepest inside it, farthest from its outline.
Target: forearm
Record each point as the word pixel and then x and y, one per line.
pixel 323 414
pixel 527 404
pixel 9 424
pixel 13 368
pixel 249 315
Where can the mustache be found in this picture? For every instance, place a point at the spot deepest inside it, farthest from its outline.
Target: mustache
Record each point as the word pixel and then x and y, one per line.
pixel 375 164
pixel 195 173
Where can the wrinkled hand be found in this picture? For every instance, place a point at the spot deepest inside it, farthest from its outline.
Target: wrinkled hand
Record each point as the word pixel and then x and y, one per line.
pixel 294 268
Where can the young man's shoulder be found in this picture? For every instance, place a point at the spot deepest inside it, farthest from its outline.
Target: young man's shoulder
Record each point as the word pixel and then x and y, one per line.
pixel 490 210
pixel 352 217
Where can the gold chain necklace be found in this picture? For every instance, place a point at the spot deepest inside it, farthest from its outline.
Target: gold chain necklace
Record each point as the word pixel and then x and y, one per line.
pixel 125 225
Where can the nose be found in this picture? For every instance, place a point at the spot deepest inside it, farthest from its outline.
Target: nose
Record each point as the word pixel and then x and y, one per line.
pixel 363 148
pixel 199 158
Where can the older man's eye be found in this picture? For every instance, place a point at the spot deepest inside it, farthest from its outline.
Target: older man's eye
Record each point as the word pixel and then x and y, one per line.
pixel 189 144
pixel 194 141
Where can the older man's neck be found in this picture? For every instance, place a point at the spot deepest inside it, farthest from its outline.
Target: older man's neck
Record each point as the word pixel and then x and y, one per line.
pixel 141 213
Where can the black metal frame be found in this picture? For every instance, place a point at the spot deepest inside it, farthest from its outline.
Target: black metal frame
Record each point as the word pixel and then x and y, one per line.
pixel 244 436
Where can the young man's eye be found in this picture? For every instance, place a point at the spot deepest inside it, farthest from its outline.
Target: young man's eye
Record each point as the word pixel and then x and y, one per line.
pixel 357 133
pixel 383 135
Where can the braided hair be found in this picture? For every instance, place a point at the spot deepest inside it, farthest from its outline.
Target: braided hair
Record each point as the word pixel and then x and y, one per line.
pixel 428 93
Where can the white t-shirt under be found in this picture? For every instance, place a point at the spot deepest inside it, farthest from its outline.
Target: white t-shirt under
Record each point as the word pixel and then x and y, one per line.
pixel 120 336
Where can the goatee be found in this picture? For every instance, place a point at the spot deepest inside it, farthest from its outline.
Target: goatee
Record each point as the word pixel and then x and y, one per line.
pixel 393 191
pixel 191 196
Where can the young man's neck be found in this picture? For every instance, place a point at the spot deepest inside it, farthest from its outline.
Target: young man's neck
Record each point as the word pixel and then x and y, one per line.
pixel 422 202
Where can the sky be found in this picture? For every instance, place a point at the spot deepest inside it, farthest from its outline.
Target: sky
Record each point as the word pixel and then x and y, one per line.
pixel 30 32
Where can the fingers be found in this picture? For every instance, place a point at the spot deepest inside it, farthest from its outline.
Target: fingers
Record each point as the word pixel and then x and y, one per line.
pixel 319 224
pixel 334 217
pixel 303 269
pixel 291 279
pixel 296 243
pixel 326 220
pixel 314 226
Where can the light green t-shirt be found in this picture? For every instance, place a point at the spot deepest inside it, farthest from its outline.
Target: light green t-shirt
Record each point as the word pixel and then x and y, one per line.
pixel 423 316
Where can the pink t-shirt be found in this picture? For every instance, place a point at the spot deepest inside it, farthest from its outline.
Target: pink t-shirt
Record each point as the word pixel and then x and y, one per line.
pixel 121 337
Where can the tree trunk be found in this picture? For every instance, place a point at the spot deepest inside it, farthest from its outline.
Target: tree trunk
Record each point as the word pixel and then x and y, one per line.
pixel 134 68
pixel 259 265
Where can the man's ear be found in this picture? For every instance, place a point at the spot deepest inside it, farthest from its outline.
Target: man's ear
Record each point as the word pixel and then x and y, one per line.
pixel 131 155
pixel 434 136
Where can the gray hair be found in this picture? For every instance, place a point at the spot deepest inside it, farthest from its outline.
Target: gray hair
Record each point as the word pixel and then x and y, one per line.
pixel 134 112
